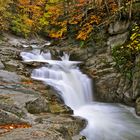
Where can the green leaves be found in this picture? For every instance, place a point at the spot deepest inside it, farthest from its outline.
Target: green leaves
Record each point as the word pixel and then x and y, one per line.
pixel 124 56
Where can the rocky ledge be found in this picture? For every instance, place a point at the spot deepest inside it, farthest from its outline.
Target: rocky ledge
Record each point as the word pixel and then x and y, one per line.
pixel 30 110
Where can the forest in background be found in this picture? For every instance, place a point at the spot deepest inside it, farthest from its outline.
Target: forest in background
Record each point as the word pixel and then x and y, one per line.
pixel 60 18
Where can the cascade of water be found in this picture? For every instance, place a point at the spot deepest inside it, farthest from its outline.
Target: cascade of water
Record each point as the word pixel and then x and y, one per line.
pixel 35 55
pixel 105 121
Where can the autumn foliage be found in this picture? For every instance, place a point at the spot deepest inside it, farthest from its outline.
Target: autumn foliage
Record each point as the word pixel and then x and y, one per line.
pixel 8 127
pixel 4 14
pixel 54 18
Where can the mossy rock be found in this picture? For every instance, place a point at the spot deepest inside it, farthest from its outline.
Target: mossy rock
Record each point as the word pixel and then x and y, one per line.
pixel 37 106
pixel 138 106
pixel 58 108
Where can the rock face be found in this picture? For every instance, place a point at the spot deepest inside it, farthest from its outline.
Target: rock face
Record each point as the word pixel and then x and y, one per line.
pixel 109 84
pixel 1 65
pixel 136 85
pixel 6 76
pixel 37 106
pixel 117 40
pixel 22 105
pixel 24 102
pixel 118 27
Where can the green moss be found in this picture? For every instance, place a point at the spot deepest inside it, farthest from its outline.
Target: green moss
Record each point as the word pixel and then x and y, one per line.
pixel 125 55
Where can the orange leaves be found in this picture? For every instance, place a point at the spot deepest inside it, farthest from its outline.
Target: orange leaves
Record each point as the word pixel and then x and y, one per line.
pixel 29 7
pixel 14 126
pixel 24 2
pixel 28 22
pixel 76 19
pixel 31 2
pixel 28 82
pixel 54 17
pixel 84 32
pixel 58 33
pixel 8 127
pixel 87 28
pixel 27 17
pixel 55 12
pixel 94 19
pixel 113 6
pixel 74 11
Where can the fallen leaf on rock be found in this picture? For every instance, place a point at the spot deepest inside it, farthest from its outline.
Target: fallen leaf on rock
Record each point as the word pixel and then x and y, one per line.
pixel 8 127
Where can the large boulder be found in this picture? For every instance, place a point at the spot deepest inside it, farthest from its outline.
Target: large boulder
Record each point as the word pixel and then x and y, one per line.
pixel 38 105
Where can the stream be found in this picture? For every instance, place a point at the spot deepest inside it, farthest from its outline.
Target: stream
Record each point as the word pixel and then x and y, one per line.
pixel 106 121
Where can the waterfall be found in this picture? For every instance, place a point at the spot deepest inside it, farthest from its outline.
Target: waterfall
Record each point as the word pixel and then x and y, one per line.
pixel 105 121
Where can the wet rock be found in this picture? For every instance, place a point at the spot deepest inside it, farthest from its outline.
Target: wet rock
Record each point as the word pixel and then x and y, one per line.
pixel 46 44
pixel 6 76
pixel 34 64
pixel 25 45
pixel 38 105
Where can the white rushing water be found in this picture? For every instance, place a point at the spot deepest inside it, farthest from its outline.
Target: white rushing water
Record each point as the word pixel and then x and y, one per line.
pixel 105 121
